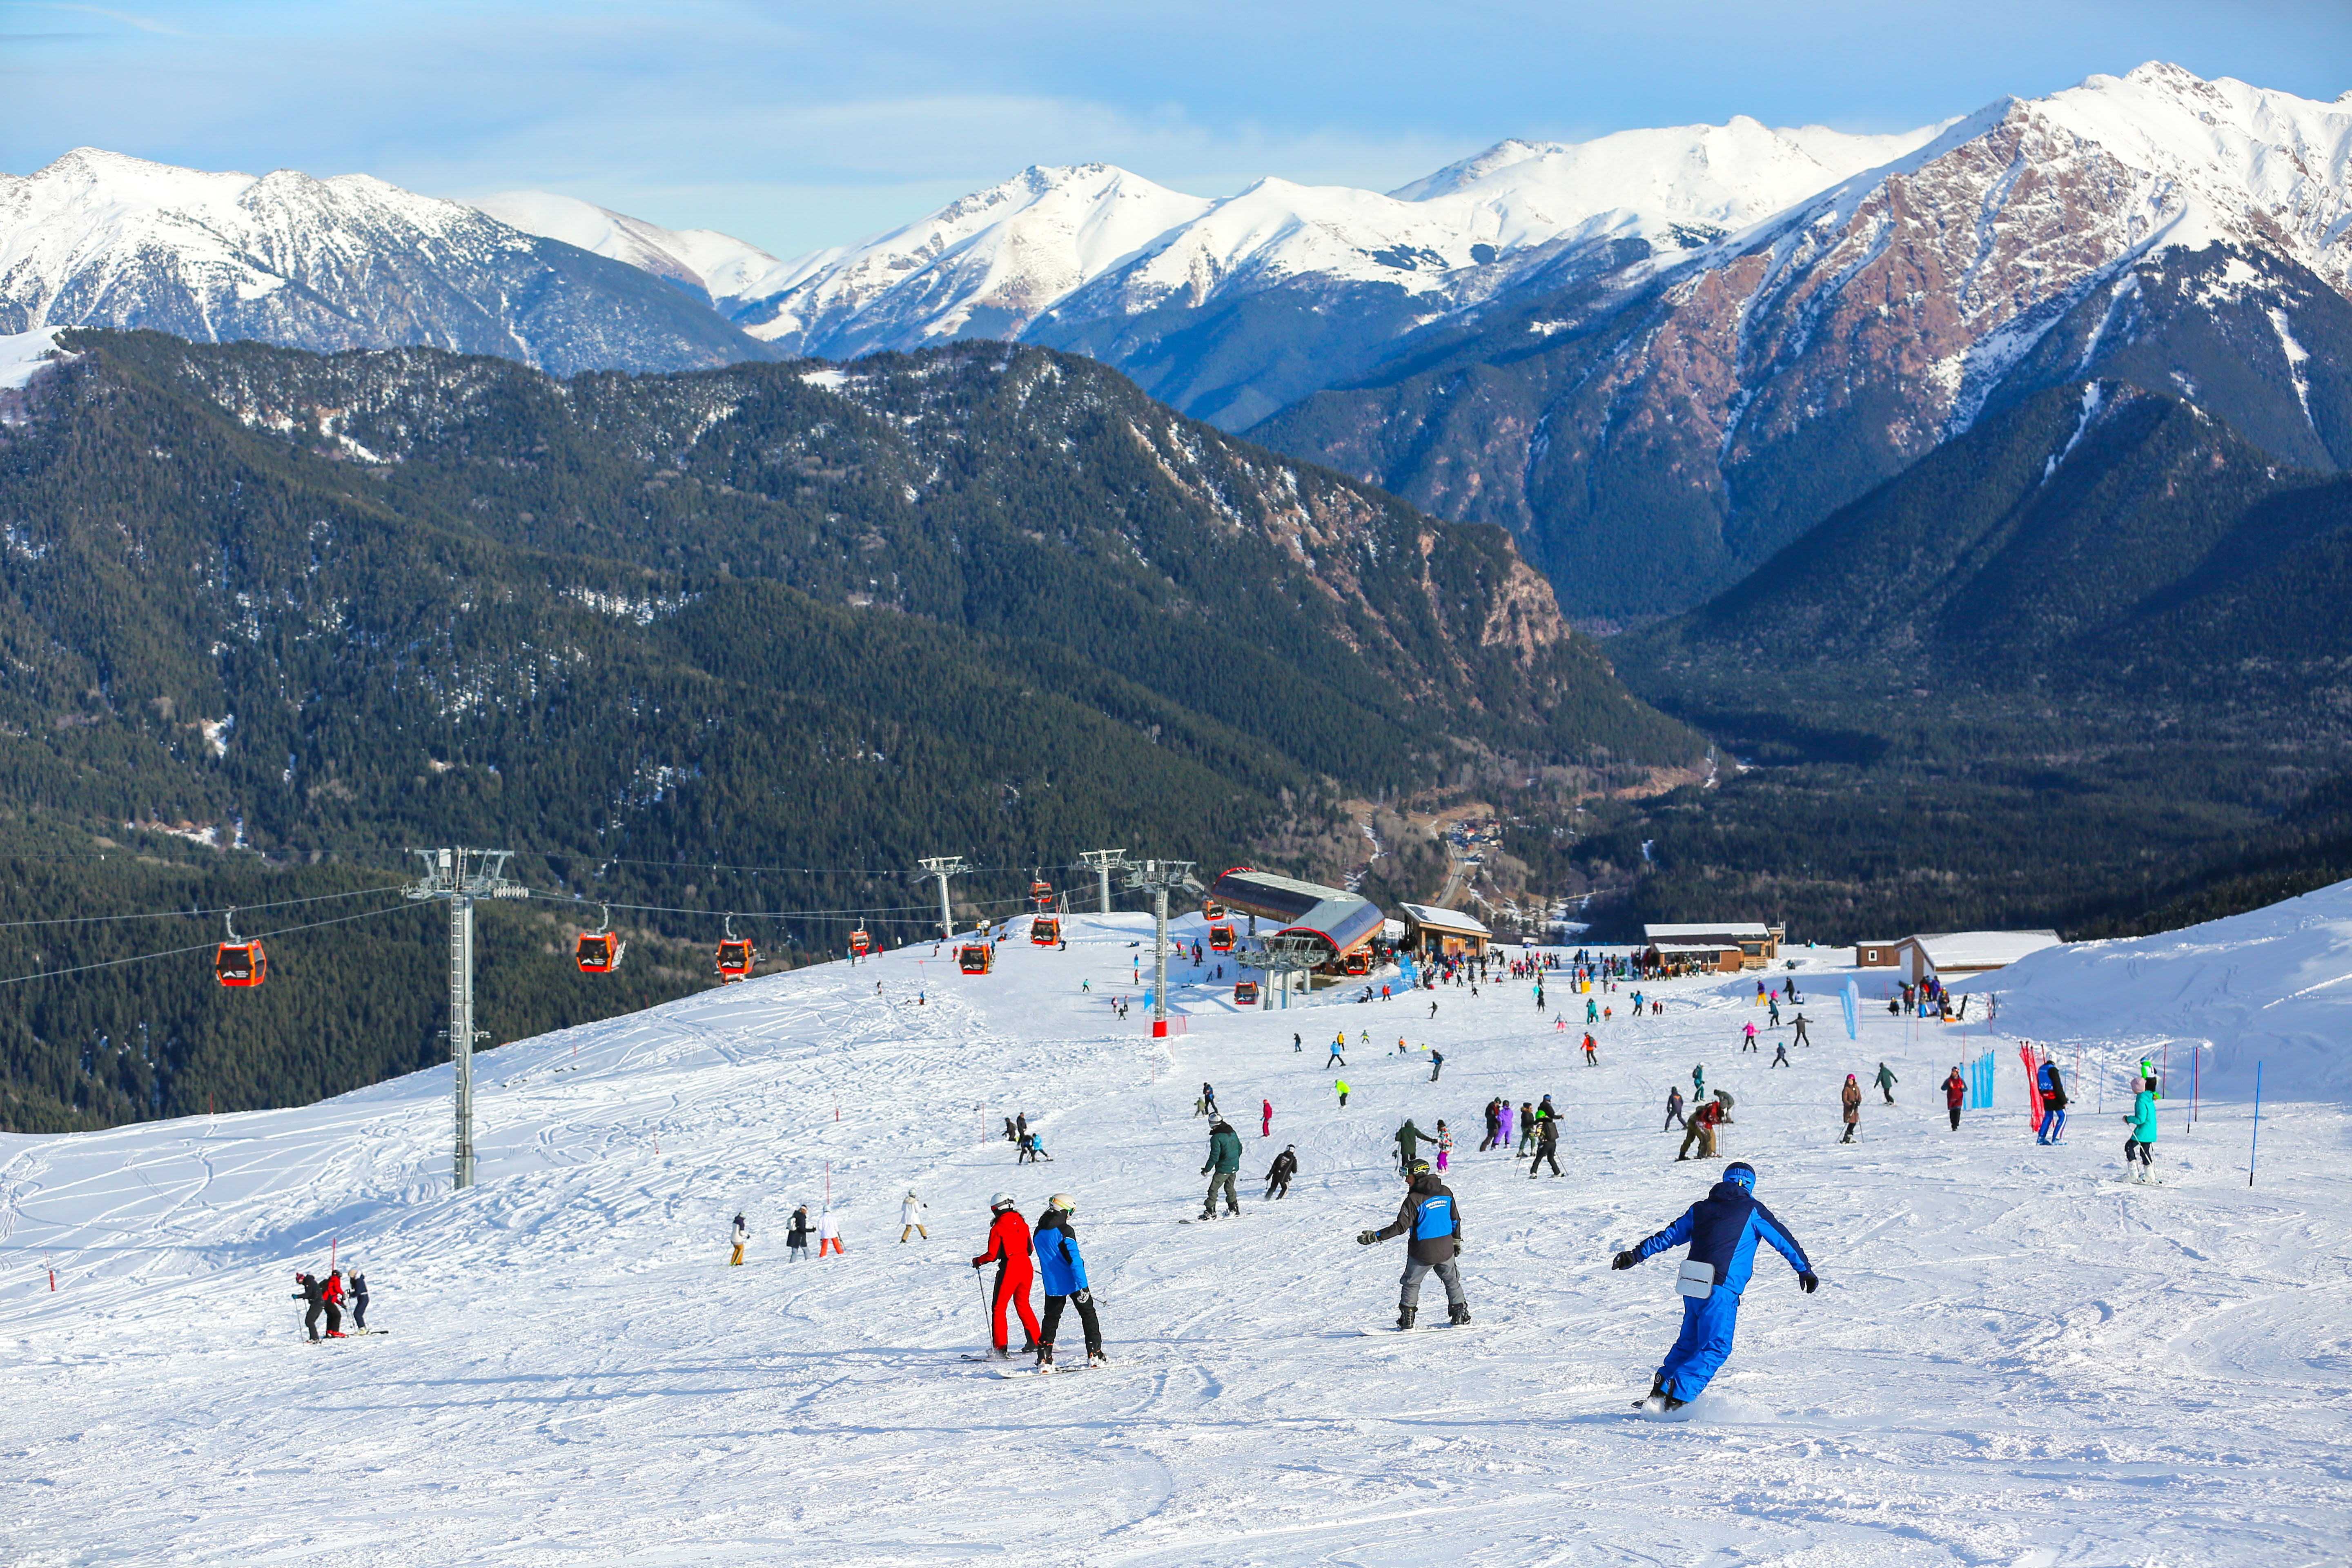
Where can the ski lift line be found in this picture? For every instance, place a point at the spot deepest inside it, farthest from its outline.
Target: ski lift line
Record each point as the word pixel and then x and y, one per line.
pixel 200 947
pixel 851 913
pixel 789 870
pixel 167 914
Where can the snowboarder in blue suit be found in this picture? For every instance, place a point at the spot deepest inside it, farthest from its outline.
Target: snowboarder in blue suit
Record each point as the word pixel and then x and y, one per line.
pixel 1722 1229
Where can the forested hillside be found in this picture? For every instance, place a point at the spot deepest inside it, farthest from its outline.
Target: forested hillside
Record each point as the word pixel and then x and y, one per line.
pixel 2081 665
pixel 650 631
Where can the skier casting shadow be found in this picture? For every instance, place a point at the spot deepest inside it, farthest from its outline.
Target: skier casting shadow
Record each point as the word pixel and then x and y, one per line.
pixel 1722 1229
pixel 1428 1215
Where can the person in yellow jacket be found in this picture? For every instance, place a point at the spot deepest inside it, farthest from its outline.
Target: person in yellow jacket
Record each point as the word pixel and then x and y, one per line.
pixel 1341 1085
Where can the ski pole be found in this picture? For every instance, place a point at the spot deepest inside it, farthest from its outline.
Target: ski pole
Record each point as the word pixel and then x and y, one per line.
pixel 2256 1146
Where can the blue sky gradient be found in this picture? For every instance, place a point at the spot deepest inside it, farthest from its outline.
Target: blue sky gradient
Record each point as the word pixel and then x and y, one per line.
pixel 797 126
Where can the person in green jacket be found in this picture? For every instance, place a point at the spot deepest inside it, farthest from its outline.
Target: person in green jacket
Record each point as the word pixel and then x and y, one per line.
pixel 1886 1080
pixel 1225 1163
pixel 1408 1143
pixel 2141 1144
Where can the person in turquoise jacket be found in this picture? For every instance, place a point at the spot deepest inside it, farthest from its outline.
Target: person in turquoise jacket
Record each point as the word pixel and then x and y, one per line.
pixel 2141 1144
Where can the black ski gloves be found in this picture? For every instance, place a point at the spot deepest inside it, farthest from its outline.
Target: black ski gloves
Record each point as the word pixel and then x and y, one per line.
pixel 1810 1282
pixel 1625 1261
pixel 1366 1237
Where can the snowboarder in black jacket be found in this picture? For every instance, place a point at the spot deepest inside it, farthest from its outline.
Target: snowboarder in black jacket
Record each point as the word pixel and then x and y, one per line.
pixel 1429 1216
pixel 1278 1178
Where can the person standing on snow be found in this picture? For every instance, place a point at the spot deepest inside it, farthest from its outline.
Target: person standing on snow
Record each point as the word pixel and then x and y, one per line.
pixel 2142 1141
pixel 1748 1037
pixel 1780 1053
pixel 1886 1080
pixel 1527 1128
pixel 1673 1106
pixel 1430 1217
pixel 911 1217
pixel 308 1288
pixel 1277 1175
pixel 1436 1063
pixel 1851 1098
pixel 1008 1248
pixel 742 1239
pixel 1224 1163
pixel 1209 1098
pixel 796 1239
pixel 1265 1118
pixel 1444 1145
pixel 332 1293
pixel 1800 1021
pixel 2053 1103
pixel 1589 1059
pixel 1722 1229
pixel 828 1234
pixel 1337 1041
pixel 1408 1141
pixel 358 1282
pixel 1341 1085
pixel 1956 1090
pixel 1493 1124
pixel 1698 1082
pixel 1503 1122
pixel 1700 1130
pixel 1547 1147
pixel 1063 1274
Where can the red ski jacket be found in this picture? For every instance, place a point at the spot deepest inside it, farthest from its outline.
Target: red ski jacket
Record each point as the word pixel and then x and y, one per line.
pixel 333 1291
pixel 1008 1242
pixel 1956 1090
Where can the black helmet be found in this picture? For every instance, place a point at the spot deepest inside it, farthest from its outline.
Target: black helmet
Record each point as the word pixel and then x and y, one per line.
pixel 1418 1168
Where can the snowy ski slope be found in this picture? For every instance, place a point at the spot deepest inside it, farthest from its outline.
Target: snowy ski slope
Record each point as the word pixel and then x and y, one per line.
pixel 2013 1359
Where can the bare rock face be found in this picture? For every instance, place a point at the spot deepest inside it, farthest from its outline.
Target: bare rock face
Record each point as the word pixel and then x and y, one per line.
pixel 2189 235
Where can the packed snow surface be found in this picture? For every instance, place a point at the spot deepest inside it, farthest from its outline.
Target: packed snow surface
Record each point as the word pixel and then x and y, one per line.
pixel 2012 1359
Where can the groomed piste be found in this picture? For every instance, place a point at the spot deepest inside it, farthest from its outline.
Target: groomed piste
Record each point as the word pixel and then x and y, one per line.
pixel 2014 1357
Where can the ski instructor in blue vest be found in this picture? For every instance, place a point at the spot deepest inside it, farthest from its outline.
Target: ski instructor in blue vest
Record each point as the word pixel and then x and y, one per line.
pixel 1428 1215
pixel 1723 1229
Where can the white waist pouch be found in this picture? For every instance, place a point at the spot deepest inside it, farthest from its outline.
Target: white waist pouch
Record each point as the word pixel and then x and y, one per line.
pixel 1697 1280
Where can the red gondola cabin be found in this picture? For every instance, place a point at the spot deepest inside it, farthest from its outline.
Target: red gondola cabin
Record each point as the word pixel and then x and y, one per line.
pixel 1358 963
pixel 976 957
pixel 598 953
pixel 241 963
pixel 1221 939
pixel 860 942
pixel 1045 930
pixel 735 958
pixel 1245 994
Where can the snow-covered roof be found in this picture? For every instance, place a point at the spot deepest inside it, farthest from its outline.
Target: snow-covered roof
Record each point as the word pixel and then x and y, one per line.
pixel 1675 947
pixel 1438 918
pixel 1980 948
pixel 1738 931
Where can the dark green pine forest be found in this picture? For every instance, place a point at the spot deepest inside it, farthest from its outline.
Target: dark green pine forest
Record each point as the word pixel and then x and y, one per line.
pixel 745 640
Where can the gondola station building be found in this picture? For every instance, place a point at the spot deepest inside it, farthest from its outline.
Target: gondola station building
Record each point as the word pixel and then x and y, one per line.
pixel 1722 948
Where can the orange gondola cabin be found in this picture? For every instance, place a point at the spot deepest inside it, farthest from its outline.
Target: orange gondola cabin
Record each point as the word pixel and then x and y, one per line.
pixel 598 953
pixel 735 958
pixel 241 963
pixel 860 942
pixel 1245 994
pixel 1041 893
pixel 1221 939
pixel 1358 963
pixel 1212 910
pixel 1045 930
pixel 976 957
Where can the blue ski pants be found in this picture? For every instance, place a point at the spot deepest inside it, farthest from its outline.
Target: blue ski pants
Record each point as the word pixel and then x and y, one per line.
pixel 2053 1123
pixel 1703 1345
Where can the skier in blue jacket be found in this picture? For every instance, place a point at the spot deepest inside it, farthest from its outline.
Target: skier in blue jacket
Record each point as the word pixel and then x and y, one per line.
pixel 1063 1272
pixel 1722 1229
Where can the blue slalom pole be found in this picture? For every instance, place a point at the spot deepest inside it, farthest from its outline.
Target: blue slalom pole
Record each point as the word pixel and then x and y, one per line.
pixel 2256 1143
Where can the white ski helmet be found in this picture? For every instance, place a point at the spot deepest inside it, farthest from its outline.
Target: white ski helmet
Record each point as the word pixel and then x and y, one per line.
pixel 1064 1202
pixel 1003 1201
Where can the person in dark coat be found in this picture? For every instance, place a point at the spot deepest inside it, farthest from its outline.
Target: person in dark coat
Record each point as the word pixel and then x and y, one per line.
pixel 1430 1217
pixel 356 1282
pixel 1956 1090
pixel 1547 1147
pixel 1277 1177
pixel 1224 1164
pixel 796 1239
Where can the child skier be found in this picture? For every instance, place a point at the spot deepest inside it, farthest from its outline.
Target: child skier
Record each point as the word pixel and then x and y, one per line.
pixel 1722 1229
pixel 2142 1141
pixel 1429 1216
pixel 743 1238
pixel 911 1217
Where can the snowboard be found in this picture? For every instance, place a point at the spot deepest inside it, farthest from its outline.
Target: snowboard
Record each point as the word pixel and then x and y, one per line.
pixel 1200 1219
pixel 1389 1329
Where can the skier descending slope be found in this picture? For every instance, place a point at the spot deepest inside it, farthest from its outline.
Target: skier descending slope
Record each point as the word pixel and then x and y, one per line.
pixel 1008 1248
pixel 1063 1272
pixel 1722 1229
pixel 1429 1216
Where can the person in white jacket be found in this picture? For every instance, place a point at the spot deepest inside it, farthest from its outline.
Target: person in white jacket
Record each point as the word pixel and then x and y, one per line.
pixel 828 1234
pixel 910 1218
pixel 743 1236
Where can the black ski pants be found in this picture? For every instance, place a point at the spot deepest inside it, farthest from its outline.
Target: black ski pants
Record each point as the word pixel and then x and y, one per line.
pixel 1278 1188
pixel 334 1317
pixel 1955 1117
pixel 1084 1301
pixel 1537 1163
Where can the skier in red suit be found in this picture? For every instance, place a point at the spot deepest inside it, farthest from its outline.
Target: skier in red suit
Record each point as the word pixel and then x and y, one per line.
pixel 1008 1248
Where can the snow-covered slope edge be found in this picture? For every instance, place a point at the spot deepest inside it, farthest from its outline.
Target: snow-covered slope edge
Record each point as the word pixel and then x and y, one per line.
pixel 2271 986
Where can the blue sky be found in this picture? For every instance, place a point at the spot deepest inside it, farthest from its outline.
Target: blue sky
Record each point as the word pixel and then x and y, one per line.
pixel 797 125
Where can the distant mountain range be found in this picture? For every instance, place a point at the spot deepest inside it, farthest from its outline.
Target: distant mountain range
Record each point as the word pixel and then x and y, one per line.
pixel 1656 358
